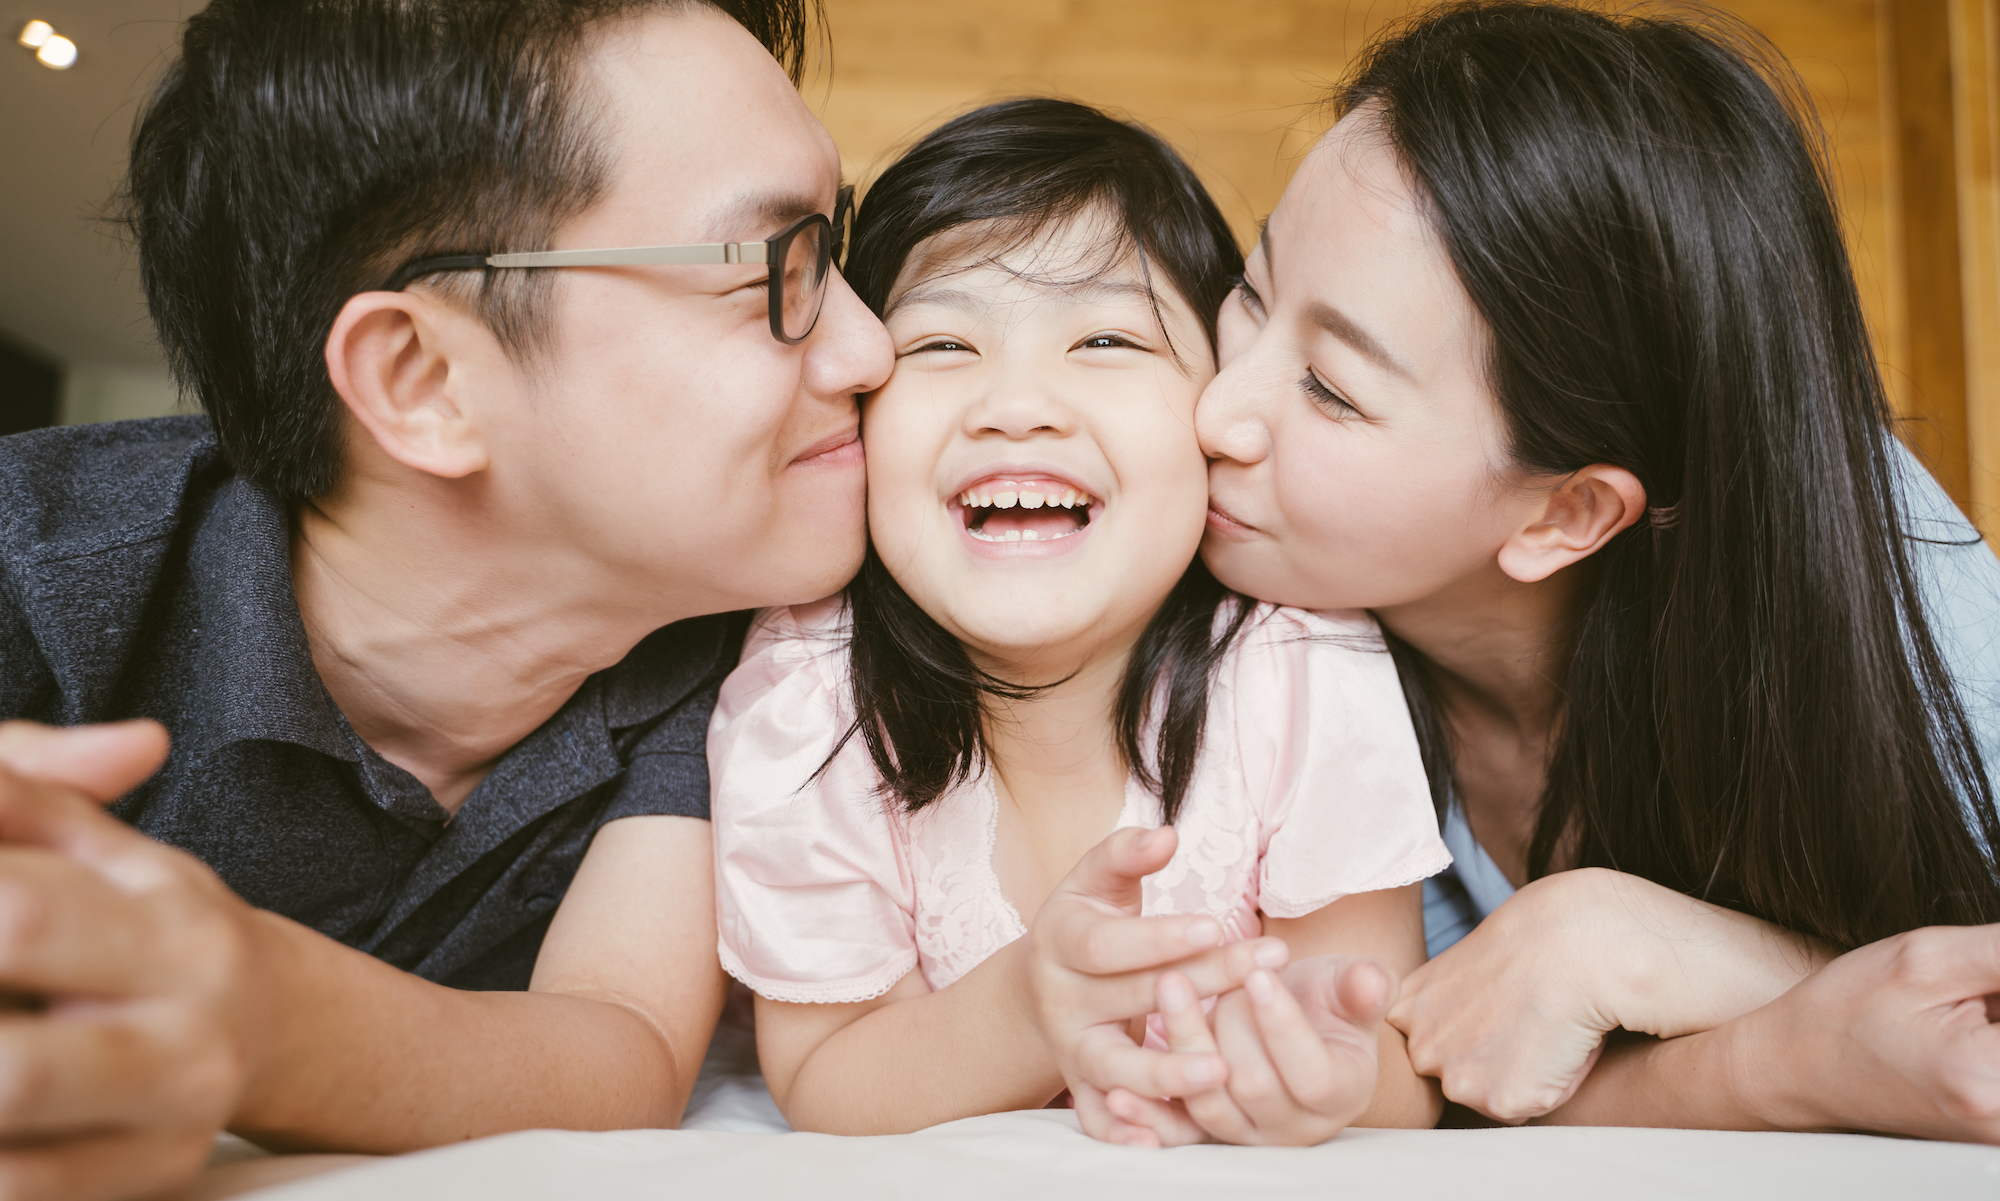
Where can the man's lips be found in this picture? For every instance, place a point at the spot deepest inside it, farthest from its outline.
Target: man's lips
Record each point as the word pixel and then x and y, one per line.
pixel 1222 521
pixel 834 450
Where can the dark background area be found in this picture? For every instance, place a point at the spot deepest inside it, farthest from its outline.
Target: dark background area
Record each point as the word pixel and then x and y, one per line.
pixel 30 386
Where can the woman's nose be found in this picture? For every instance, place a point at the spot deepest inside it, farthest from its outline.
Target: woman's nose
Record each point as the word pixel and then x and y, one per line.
pixel 1229 417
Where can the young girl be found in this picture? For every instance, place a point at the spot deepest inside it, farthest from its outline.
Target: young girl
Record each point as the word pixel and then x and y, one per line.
pixel 1033 657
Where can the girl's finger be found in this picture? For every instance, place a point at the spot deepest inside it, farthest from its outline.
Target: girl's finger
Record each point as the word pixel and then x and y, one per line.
pixel 1108 1059
pixel 1103 1125
pixel 1254 1083
pixel 1165 1120
pixel 1187 1031
pixel 1320 1069
pixel 1180 1012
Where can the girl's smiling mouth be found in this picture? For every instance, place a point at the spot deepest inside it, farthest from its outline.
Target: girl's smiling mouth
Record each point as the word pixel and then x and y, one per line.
pixel 1017 510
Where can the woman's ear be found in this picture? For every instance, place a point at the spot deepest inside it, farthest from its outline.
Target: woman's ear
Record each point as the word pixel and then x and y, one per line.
pixel 393 358
pixel 1583 512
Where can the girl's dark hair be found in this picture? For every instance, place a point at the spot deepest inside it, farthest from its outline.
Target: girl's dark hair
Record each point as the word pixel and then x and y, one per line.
pixel 1024 166
pixel 1756 712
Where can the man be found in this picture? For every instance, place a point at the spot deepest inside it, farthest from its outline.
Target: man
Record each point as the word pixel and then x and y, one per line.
pixel 420 601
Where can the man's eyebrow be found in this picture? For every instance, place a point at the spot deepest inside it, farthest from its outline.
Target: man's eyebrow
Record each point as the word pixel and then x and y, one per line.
pixel 767 212
pixel 1341 326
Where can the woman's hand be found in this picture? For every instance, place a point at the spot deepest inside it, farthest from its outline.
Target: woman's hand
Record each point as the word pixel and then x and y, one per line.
pixel 1094 966
pixel 1301 1050
pixel 1512 1018
pixel 1898 1037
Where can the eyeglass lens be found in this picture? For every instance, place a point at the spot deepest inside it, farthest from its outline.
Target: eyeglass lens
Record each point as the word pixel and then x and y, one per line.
pixel 803 279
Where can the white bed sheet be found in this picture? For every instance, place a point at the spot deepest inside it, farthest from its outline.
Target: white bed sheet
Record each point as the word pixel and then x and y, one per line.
pixel 1040 1155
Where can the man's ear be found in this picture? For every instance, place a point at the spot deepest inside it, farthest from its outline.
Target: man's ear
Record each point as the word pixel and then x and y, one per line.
pixel 395 359
pixel 1585 511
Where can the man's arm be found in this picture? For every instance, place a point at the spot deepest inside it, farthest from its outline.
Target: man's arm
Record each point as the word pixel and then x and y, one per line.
pixel 202 1011
pixel 610 1035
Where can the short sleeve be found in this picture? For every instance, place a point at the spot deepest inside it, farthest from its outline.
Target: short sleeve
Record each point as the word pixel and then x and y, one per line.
pixel 814 900
pixel 27 688
pixel 1331 761
pixel 1960 579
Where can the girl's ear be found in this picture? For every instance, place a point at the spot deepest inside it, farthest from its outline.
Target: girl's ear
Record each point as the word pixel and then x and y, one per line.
pixel 1581 514
pixel 394 358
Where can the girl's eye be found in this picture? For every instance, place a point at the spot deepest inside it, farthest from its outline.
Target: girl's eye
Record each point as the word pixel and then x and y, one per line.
pixel 939 344
pixel 1106 342
pixel 1326 398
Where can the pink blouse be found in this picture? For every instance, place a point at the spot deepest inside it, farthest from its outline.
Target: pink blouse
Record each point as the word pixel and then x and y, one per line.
pixel 1308 788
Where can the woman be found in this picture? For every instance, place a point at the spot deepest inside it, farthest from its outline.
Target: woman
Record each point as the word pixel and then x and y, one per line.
pixel 1552 357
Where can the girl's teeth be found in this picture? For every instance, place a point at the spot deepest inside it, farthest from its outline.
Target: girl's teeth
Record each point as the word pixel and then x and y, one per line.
pixel 1026 498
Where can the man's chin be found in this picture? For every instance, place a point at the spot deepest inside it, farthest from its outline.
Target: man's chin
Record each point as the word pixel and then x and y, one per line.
pixel 808 571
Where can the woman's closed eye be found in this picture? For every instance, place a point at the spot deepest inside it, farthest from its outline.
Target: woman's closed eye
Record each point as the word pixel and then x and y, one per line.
pixel 1336 405
pixel 1251 300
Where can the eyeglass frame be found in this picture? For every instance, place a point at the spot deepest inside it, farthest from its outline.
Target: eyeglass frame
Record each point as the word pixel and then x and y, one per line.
pixel 770 251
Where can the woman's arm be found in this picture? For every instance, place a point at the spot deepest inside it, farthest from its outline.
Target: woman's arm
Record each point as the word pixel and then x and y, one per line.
pixel 1511 1019
pixel 1897 1037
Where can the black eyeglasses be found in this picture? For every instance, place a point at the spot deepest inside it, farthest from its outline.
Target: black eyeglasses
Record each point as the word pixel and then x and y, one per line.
pixel 800 258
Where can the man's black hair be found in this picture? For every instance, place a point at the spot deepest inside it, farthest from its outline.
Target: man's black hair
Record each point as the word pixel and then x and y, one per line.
pixel 301 149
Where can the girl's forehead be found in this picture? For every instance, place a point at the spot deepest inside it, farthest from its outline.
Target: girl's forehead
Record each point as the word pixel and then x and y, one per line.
pixel 1071 254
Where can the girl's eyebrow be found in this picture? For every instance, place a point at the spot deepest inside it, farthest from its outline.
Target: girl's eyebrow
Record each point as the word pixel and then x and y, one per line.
pixel 1082 291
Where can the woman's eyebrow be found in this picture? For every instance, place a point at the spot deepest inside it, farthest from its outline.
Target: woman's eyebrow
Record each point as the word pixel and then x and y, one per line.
pixel 1341 326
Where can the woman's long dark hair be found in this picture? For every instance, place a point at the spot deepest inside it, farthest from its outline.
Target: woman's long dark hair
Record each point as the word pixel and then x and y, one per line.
pixel 1020 167
pixel 1756 712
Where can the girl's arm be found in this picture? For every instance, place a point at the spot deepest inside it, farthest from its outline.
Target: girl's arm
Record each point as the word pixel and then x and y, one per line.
pixel 1511 1019
pixel 1898 1037
pixel 912 1057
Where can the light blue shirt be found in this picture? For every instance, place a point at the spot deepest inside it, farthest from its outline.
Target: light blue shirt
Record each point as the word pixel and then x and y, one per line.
pixel 1960 580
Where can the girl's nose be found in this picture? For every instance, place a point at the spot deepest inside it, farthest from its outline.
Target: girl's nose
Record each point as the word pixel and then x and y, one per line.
pixel 1020 408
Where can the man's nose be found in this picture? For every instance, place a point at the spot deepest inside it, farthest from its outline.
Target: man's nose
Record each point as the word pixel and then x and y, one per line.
pixel 849 350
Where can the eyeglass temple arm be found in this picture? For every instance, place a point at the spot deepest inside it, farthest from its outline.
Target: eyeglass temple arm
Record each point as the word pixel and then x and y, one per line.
pixel 629 256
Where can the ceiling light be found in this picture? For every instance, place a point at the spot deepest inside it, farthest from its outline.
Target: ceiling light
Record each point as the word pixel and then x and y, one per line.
pixel 35 34
pixel 58 52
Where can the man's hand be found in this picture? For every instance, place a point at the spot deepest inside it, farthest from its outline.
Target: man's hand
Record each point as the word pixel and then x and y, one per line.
pixel 1901 1036
pixel 1094 966
pixel 131 960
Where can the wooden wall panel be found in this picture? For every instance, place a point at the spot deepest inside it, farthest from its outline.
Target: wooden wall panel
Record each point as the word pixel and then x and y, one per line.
pixel 1235 86
pixel 1975 41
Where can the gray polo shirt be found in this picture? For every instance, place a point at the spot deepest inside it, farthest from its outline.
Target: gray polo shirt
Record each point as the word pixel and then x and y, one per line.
pixel 141 577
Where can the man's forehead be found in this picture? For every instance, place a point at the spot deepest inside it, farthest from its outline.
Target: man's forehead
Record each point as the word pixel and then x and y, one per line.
pixel 761 209
pixel 703 127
